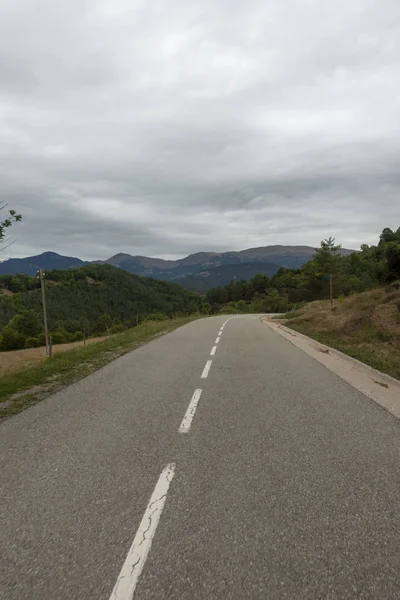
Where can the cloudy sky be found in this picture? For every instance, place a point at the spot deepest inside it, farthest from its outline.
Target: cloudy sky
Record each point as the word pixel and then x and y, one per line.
pixel 167 127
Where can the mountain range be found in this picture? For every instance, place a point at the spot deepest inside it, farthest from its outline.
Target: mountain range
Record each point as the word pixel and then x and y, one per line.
pixel 200 272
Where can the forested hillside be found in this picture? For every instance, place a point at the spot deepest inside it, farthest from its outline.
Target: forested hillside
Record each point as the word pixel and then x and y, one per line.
pixel 220 276
pixel 371 267
pixel 95 298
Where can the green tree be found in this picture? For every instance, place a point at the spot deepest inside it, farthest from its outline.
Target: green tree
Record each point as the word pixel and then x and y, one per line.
pixel 17 284
pixel 206 308
pixel 388 235
pixel 27 323
pixel 327 257
pixel 32 342
pixel 12 218
pixel 12 339
pixel 260 283
pixel 392 256
pixel 104 323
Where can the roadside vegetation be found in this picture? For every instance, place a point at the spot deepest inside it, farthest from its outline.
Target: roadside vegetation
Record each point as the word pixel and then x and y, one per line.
pixel 370 268
pixel 22 389
pixel 93 300
pixel 365 326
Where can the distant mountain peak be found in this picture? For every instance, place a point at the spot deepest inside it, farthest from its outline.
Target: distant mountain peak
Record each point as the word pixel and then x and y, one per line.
pixel 187 271
pixel 47 260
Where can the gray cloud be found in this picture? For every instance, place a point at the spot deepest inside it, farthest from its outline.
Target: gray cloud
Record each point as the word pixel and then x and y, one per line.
pixel 166 128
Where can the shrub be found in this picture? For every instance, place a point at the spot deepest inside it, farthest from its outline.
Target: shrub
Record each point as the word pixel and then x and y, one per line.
pixel 12 339
pixel 206 308
pixel 78 336
pixel 80 275
pixel 116 328
pixel 59 337
pixel 229 310
pixel 27 323
pixel 32 342
pixel 157 317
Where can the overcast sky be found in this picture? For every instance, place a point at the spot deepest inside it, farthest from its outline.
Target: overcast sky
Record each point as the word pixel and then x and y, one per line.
pixel 167 127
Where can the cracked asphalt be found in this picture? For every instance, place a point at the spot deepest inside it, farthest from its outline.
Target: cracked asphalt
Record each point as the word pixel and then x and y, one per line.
pixel 286 485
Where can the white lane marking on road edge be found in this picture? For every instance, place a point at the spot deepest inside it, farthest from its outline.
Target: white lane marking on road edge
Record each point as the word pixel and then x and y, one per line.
pixel 189 414
pixel 207 368
pixel 213 351
pixel 217 340
pixel 136 558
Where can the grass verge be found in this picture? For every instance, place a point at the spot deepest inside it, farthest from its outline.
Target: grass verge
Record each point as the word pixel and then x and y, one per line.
pixel 22 389
pixel 365 326
pixel 365 347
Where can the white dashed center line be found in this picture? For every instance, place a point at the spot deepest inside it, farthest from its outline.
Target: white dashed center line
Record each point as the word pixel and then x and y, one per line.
pixel 207 368
pixel 213 351
pixel 134 562
pixel 217 340
pixel 188 418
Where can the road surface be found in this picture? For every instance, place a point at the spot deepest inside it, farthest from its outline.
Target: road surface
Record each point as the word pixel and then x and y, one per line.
pixel 205 465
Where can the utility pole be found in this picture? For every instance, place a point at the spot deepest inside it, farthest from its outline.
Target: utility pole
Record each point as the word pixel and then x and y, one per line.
pixel 331 289
pixel 46 331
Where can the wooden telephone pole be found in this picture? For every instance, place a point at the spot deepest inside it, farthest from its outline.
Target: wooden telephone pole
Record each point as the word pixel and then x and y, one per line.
pixel 46 331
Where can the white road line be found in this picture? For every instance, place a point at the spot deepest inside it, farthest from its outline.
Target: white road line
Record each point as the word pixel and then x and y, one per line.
pixel 220 333
pixel 188 418
pixel 217 340
pixel 213 351
pixel 134 562
pixel 207 368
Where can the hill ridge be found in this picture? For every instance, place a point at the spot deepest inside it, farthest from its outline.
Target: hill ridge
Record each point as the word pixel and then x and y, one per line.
pixel 184 270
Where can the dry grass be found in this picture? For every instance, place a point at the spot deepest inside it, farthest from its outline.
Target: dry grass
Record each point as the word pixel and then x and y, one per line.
pixel 32 384
pixel 365 326
pixel 18 360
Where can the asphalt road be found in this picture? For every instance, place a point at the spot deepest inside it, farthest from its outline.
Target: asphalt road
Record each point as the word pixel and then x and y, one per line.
pixel 285 482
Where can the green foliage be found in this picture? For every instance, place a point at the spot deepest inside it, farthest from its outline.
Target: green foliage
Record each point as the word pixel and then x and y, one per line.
pixel 32 342
pixel 27 323
pixel 12 339
pixel 98 298
pixel 205 308
pixel 103 324
pixel 288 288
pixel 156 317
pixel 7 222
pixel 116 328
pixel 60 336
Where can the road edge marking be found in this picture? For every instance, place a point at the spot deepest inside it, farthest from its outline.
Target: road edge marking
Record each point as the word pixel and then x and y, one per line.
pixel 357 374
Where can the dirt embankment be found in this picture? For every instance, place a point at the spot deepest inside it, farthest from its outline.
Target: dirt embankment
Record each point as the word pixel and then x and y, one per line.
pixel 365 326
pixel 18 360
